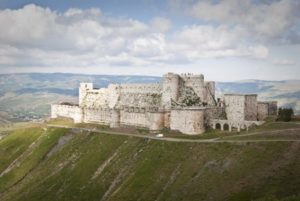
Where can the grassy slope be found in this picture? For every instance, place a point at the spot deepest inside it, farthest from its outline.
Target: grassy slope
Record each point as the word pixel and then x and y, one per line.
pixel 104 167
pixel 15 144
pixel 28 157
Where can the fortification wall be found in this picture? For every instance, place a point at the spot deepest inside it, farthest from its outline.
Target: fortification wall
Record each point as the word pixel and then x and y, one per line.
pixel 140 99
pixel 142 95
pixel 235 107
pixel 262 110
pixel 83 88
pixel 152 105
pixel 155 120
pixel 115 118
pixel 167 116
pixel 92 115
pixel 188 121
pixel 170 89
pixel 251 107
pixel 197 83
pixel 133 118
pixel 210 93
pixel 69 111
pixel 140 88
pixel 95 98
pixel 212 113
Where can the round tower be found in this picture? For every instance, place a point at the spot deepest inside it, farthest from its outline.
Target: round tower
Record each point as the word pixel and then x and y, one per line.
pixel 170 89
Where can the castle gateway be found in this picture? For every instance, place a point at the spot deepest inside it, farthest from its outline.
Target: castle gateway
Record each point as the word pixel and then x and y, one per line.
pixel 184 102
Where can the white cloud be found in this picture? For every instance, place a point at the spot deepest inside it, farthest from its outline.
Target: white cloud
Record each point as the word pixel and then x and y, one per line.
pixel 36 37
pixel 204 41
pixel 150 45
pixel 257 20
pixel 161 24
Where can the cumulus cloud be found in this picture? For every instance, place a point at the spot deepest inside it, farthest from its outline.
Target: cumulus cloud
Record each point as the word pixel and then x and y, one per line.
pixel 261 20
pixel 37 36
pixel 161 24
pixel 208 41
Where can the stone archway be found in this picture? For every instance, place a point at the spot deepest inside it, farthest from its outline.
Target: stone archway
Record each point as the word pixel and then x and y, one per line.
pixel 226 127
pixel 218 126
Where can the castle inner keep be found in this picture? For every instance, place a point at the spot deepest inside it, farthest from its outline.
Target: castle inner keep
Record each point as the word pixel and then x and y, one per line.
pixel 185 103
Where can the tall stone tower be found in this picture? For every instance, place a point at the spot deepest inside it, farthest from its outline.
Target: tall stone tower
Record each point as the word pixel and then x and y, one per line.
pixel 170 89
pixel 84 87
pixel 197 83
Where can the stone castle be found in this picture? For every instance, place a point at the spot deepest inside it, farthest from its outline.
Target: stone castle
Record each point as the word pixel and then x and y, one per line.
pixel 185 103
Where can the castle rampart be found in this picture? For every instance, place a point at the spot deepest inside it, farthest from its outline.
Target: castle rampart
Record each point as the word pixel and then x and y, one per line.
pixel 140 88
pixel 180 102
pixel 188 121
pixel 70 111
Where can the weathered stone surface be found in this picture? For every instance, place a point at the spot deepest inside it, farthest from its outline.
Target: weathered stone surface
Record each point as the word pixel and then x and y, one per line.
pixel 74 112
pixel 188 121
pixel 262 110
pixel 241 107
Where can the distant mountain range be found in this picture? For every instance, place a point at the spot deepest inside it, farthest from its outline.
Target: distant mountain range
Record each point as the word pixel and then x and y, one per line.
pixel 28 96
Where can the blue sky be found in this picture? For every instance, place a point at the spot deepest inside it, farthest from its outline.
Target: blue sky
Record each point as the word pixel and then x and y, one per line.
pixel 223 39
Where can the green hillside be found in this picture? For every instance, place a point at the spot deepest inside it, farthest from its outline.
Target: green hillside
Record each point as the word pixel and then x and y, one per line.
pixel 71 164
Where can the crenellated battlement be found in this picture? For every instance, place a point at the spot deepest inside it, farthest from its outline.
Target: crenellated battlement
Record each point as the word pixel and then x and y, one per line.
pixel 191 76
pixel 140 88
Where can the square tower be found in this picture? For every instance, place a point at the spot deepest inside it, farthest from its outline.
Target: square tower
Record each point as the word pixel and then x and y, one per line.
pixel 241 107
pixel 84 87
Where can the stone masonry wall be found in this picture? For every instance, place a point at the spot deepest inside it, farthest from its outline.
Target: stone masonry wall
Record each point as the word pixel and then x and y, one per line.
pixel 102 116
pixel 133 118
pixel 197 83
pixel 155 120
pixel 251 107
pixel 170 89
pixel 95 99
pixel 140 88
pixel 262 110
pixel 210 93
pixel 188 121
pixel 74 112
pixel 235 107
pixel 212 113
pixel 139 99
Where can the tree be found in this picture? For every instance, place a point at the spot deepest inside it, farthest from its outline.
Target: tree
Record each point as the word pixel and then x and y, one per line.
pixel 285 114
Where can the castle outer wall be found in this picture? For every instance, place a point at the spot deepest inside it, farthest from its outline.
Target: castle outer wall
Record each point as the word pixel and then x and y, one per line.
pixel 180 102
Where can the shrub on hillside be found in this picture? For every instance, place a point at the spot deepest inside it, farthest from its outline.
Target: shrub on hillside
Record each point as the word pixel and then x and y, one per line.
pixel 285 114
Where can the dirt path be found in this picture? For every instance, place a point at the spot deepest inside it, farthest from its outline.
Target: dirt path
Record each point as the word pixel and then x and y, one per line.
pixel 261 132
pixel 213 140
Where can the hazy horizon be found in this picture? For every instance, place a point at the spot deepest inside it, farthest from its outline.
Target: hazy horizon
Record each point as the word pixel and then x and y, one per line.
pixel 142 75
